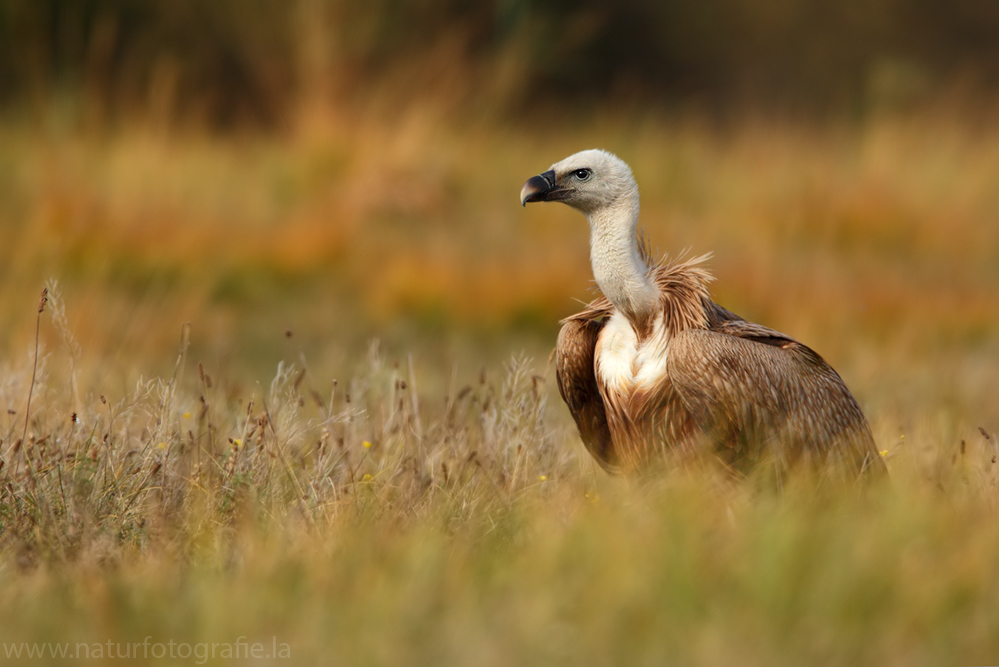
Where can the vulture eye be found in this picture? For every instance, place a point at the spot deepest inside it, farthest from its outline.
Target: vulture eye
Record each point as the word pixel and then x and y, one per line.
pixel 582 174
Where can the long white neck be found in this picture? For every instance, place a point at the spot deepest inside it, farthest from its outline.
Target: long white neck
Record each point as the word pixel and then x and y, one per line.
pixel 618 267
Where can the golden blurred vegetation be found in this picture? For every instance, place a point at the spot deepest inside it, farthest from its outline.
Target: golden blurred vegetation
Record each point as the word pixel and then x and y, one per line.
pixel 213 191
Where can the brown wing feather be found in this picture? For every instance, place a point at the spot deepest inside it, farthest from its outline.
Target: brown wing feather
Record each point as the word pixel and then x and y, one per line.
pixel 758 394
pixel 577 383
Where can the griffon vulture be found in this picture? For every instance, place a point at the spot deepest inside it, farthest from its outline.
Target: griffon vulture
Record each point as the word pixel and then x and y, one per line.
pixel 655 366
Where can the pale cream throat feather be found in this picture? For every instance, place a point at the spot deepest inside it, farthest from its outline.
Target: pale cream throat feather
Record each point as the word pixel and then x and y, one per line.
pixel 624 359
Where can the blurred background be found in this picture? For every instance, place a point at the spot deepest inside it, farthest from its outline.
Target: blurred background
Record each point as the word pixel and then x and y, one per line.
pixel 297 179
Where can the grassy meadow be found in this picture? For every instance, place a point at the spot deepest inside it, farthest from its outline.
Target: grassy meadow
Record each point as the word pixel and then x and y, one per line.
pixel 294 387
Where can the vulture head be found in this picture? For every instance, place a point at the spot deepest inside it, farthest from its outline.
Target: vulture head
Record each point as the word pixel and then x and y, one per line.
pixel 589 181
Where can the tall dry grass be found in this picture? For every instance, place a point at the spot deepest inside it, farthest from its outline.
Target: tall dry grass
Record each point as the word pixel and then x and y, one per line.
pixel 367 522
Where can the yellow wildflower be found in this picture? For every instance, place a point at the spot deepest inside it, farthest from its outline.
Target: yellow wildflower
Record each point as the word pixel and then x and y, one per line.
pixel 366 444
pixel 542 478
pixel 884 452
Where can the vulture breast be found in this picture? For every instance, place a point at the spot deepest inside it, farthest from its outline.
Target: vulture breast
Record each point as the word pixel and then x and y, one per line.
pixel 626 362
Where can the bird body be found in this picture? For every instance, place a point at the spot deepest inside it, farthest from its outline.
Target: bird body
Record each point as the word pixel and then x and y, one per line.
pixel 653 366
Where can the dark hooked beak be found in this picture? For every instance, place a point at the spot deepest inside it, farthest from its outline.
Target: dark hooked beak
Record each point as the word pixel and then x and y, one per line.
pixel 539 188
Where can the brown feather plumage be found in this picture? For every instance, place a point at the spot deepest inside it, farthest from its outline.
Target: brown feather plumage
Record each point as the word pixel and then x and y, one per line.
pixel 745 392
